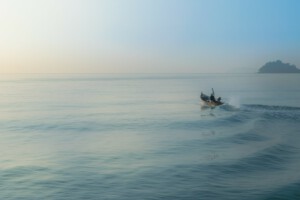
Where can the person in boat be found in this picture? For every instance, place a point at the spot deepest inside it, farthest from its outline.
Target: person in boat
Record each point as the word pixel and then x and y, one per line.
pixel 212 97
pixel 219 99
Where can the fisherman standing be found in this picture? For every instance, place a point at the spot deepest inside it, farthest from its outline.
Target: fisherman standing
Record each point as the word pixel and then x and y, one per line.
pixel 212 96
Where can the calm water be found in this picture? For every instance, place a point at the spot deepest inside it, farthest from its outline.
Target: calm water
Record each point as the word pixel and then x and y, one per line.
pixel 147 137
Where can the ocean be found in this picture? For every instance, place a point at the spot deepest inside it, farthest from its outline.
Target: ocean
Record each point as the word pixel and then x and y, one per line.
pixel 147 137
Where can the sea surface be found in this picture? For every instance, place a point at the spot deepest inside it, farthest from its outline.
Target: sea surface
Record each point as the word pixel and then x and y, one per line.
pixel 148 137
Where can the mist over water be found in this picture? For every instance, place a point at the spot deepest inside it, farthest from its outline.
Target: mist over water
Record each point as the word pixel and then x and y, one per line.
pixel 146 136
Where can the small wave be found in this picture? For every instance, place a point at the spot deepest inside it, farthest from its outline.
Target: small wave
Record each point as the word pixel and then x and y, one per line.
pixel 247 137
pixel 271 158
pixel 286 192
pixel 269 107
pixel 285 113
pixel 231 120
pixel 229 107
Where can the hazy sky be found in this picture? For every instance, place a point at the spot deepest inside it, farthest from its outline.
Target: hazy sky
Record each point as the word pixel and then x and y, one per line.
pixel 147 36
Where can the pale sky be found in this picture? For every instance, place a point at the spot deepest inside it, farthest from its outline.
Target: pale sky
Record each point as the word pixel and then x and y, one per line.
pixel 147 36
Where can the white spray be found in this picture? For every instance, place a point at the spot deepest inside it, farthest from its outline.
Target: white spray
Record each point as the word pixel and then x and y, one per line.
pixel 234 101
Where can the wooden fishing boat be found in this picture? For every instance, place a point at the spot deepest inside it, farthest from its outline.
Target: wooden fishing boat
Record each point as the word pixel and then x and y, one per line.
pixel 211 102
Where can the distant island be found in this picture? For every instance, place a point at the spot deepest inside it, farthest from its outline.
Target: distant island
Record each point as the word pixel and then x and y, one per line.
pixel 278 67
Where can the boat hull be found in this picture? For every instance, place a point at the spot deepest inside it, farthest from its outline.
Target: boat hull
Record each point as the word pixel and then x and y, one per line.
pixel 211 103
